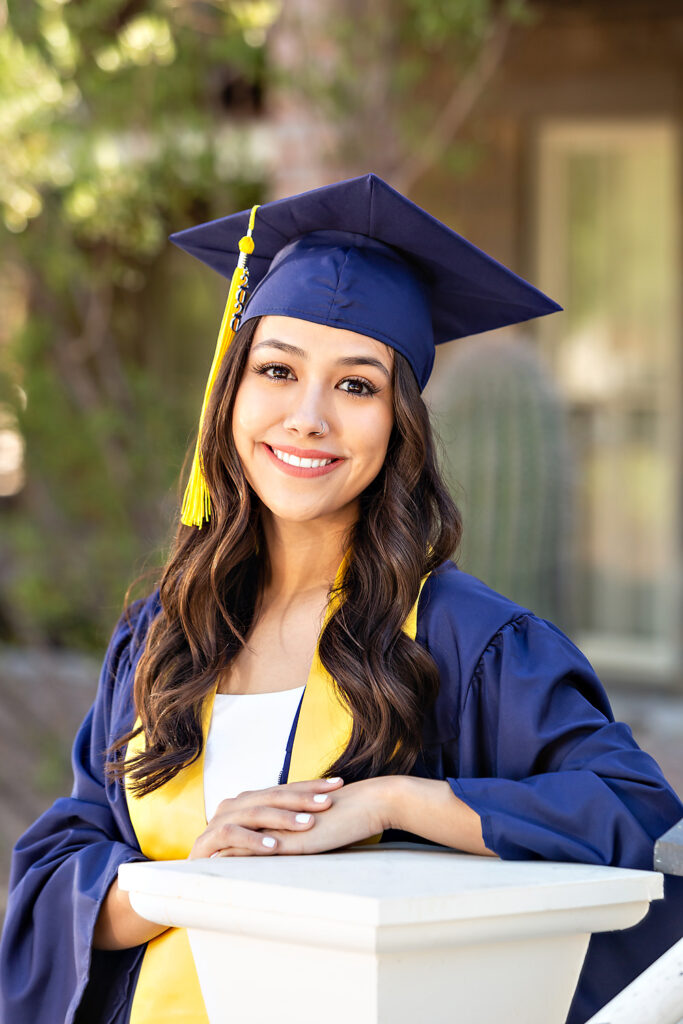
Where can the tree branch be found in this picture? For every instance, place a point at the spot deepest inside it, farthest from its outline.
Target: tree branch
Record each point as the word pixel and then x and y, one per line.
pixel 456 111
pixel 95 340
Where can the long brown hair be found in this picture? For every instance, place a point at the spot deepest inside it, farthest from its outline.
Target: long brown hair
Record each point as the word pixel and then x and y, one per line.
pixel 211 586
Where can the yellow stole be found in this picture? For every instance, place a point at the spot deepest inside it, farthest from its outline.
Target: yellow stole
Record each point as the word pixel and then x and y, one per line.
pixel 168 820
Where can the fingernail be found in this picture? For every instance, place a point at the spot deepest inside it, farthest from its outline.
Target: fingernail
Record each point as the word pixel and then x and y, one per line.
pixel 212 855
pixel 320 798
pixel 303 818
pixel 270 843
pixel 336 779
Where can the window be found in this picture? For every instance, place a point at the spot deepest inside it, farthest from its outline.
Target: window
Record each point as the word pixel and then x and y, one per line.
pixel 608 250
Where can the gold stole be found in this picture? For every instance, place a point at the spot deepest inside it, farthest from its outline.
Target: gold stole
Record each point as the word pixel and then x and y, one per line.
pixel 168 820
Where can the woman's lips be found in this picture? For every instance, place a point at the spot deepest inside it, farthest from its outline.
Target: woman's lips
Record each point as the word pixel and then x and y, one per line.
pixel 301 470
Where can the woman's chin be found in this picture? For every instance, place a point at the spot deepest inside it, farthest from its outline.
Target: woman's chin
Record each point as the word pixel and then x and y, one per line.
pixel 287 514
pixel 295 512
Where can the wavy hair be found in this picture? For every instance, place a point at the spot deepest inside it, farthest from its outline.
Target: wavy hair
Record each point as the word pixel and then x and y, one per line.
pixel 211 586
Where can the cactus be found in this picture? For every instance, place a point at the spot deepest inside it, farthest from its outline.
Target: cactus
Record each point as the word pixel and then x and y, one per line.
pixel 503 426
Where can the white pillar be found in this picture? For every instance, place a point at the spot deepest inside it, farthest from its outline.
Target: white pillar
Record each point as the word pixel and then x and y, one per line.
pixel 388 934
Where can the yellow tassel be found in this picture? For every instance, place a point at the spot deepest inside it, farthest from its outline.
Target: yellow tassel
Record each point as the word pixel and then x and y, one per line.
pixel 197 501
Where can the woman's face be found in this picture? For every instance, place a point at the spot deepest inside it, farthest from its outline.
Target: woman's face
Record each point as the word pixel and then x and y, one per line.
pixel 318 393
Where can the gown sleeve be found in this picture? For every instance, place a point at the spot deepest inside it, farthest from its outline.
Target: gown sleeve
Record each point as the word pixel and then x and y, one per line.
pixel 540 758
pixel 63 866
pixel 543 762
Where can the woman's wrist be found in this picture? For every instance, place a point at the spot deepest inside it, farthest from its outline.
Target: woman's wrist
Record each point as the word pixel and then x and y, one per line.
pixel 397 800
pixel 118 926
pixel 387 800
pixel 392 799
pixel 429 808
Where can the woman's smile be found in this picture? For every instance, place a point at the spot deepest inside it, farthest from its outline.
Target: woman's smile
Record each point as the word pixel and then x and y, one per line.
pixel 310 466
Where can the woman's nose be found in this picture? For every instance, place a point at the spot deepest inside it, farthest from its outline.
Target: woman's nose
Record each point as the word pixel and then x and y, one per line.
pixel 308 413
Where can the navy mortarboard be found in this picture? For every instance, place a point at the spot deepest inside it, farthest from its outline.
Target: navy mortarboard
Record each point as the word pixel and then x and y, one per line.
pixel 360 256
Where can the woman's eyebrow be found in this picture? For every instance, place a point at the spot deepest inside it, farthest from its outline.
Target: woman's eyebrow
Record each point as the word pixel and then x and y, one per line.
pixel 343 361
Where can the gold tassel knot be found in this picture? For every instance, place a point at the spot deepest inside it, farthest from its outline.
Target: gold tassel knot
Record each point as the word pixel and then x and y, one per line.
pixel 197 501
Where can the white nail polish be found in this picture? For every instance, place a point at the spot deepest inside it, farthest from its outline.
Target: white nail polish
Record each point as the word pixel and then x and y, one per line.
pixel 212 855
pixel 270 843
pixel 320 798
pixel 303 819
pixel 336 779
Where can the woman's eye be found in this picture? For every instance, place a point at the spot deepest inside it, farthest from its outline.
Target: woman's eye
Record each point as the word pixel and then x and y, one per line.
pixel 280 370
pixel 357 383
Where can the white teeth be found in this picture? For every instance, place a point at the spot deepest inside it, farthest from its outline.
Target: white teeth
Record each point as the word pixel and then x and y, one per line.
pixel 292 460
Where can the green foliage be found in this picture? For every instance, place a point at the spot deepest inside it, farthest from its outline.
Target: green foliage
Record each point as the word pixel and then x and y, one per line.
pixel 399 44
pixel 116 115
pixel 454 28
pixel 113 133
pixel 434 24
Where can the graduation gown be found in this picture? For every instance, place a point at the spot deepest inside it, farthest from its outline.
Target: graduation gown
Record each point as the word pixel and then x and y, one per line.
pixel 522 730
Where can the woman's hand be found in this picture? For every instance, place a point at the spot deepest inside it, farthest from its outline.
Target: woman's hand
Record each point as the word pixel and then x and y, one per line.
pixel 423 807
pixel 254 822
pixel 357 811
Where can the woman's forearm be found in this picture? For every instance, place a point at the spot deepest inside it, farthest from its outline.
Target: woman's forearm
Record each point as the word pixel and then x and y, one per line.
pixel 118 926
pixel 430 808
pixel 425 807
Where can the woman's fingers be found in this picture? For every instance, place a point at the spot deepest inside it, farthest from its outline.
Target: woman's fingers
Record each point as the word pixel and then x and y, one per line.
pixel 293 796
pixel 266 817
pixel 237 827
pixel 317 785
pixel 232 853
pixel 230 838
pixel 292 791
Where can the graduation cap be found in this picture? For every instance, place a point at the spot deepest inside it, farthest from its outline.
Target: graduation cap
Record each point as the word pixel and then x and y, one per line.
pixel 356 255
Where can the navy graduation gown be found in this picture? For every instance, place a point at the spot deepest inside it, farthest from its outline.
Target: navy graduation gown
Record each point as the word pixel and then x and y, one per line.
pixel 64 864
pixel 521 729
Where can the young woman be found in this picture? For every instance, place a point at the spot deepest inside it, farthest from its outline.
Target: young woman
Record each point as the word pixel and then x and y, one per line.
pixel 313 670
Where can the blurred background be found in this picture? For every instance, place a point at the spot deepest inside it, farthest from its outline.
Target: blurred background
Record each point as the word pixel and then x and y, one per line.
pixel 548 132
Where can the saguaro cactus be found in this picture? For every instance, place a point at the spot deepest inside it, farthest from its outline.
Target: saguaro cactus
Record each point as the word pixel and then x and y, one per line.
pixel 504 429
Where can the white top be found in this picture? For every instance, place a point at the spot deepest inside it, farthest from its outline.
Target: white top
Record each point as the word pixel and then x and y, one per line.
pixel 246 745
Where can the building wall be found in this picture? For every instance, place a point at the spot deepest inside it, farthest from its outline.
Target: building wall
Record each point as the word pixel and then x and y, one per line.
pixel 603 79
